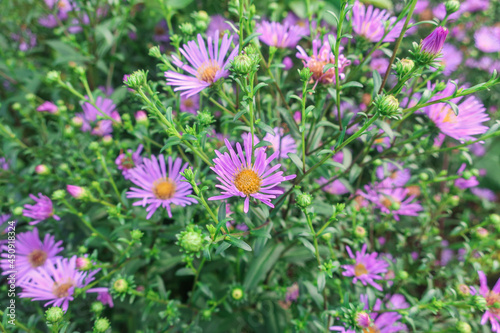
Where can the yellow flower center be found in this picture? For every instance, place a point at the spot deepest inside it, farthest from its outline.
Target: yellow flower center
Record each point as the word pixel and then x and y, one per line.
pixel 164 188
pixel 450 117
pixel 316 67
pixel 37 258
pixel 360 269
pixel 188 103
pixel 207 71
pixel 127 163
pixel 247 181
pixel 60 290
pixel 492 300
pixel 371 329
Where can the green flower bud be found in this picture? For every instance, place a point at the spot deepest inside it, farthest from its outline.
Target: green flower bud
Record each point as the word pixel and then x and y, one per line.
pixel 387 106
pixel 54 314
pixel 136 234
pixel 16 106
pixel 481 233
pixel 463 289
pixel 120 286
pixel 377 162
pixel 53 76
pixel 304 200
pixel 463 327
pixel 94 146
pixel 18 211
pixel 480 302
pixel 404 66
pixel 187 28
pixel 101 325
pixel 68 131
pixel 107 140
pixel 326 236
pixel 79 70
pixel 155 52
pixel 83 263
pixel 237 293
pixel 423 176
pixel 58 195
pixel 201 25
pixel 42 169
pixel 30 97
pixel 305 74
pixel 136 80
pixel 191 240
pixel 403 275
pixel 467 175
pixel 452 6
pixel 495 218
pixel 205 118
pixel 360 232
pixel 97 307
pixel 189 175
pixel 440 86
pixel 82 249
pixel 395 205
pixel 242 64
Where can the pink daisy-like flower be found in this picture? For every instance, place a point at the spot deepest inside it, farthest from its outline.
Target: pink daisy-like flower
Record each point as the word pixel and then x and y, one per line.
pixel 335 188
pixel 31 253
pixel 463 183
pixel 397 175
pixel 488 39
pixel 217 26
pixel 433 44
pixel 241 178
pixel 40 211
pixel 56 282
pixel 281 35
pixel 396 201
pixel 91 116
pixel 283 144
pixel 484 193
pixel 159 187
pixel 322 56
pixel 367 268
pixel 190 104
pixel 451 59
pixel 370 23
pixel 492 298
pixel 461 127
pixel 127 161
pixel 205 68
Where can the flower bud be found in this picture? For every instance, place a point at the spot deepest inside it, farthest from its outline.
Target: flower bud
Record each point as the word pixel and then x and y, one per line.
pixel 191 240
pixel 404 66
pixel 430 47
pixel 388 106
pixel 120 286
pixel 77 121
pixel 101 325
pixel 18 211
pixel 48 107
pixel 77 192
pixel 155 52
pixel 187 28
pixel 463 290
pixel 305 74
pixel 480 302
pixel 42 169
pixel 97 307
pixel 360 232
pixel 189 175
pixel 481 233
pixel 403 275
pixel 495 218
pixel 141 117
pixel 136 234
pixel 326 236
pixel 237 293
pixel 423 176
pixel 54 314
pixel 288 63
pixel 58 195
pixel 53 76
pixel 68 131
pixel 136 80
pixel 82 249
pixel 205 118
pixel 363 319
pixel 94 146
pixel 83 263
pixel 304 200
pixel 242 64
pixel 467 175
pixel 452 6
pixel 107 140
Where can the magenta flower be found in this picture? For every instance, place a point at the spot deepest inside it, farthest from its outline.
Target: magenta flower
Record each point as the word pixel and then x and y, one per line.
pixel 127 161
pixel 281 35
pixel 488 39
pixel 283 144
pixel 241 178
pixel 292 292
pixel 41 210
pixel 47 107
pixel 433 43
pixel 190 104
pixel 484 193
pixel 463 183
pixel 451 59
pixel 159 188
pixel 390 200
pixel 205 68
pixel 370 23
pixel 367 268
pixel 218 26
pixel 395 172
pixel 104 297
pixel 335 188
pixel 31 254
pixel 492 297
pixel 322 56
pixel 56 283
pixel 93 116
pixel 76 192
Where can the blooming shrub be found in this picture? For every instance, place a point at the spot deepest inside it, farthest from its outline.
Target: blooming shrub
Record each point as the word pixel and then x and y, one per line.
pixel 249 166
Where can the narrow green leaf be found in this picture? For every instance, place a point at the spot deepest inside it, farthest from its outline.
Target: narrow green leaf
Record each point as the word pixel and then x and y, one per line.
pixel 238 243
pixel 297 161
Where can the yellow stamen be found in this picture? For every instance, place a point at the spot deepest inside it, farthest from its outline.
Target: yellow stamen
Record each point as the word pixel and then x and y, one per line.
pixel 164 188
pixel 247 181
pixel 207 71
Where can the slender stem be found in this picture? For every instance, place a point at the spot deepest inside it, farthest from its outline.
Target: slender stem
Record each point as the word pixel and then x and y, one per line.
pixel 101 158
pixel 337 51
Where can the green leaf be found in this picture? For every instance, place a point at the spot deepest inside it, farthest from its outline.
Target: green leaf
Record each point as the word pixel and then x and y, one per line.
pixel 354 173
pixel 221 214
pixel 352 84
pixel 172 141
pixel 260 265
pixel 386 128
pixel 332 41
pixel 321 280
pixel 266 128
pixel 257 87
pixel 184 272
pixel 66 53
pixel 296 160
pixel 178 4
pixel 238 243
pixel 377 82
pixel 308 245
pixel 263 144
pixel 249 38
pixel 327 67
pixel 334 16
pixel 239 114
pixel 222 247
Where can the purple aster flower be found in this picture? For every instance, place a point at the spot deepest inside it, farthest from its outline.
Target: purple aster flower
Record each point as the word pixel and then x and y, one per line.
pixel 484 193
pixel 218 26
pixel 159 187
pixel 288 63
pixel 451 59
pixel 461 127
pixel 4 165
pixel 492 297
pixel 322 56
pixel 395 172
pixel 48 21
pixel 281 35
pixel 463 183
pixel 206 68
pixel 283 144
pixel 161 32
pixel 190 104
pixel 370 23
pixel 127 161
pixel 91 116
pixel 4 227
pixel 241 178
pixel 440 13
pixel 56 282
pixel 31 254
pixel 103 296
pixel 335 188
pixel 26 39
pixel 475 5
pixel 292 292
pixel 380 65
pixel 41 210
pixel 47 107
pixel 433 43
pixel 488 39
pixel 396 201
pixel 367 268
